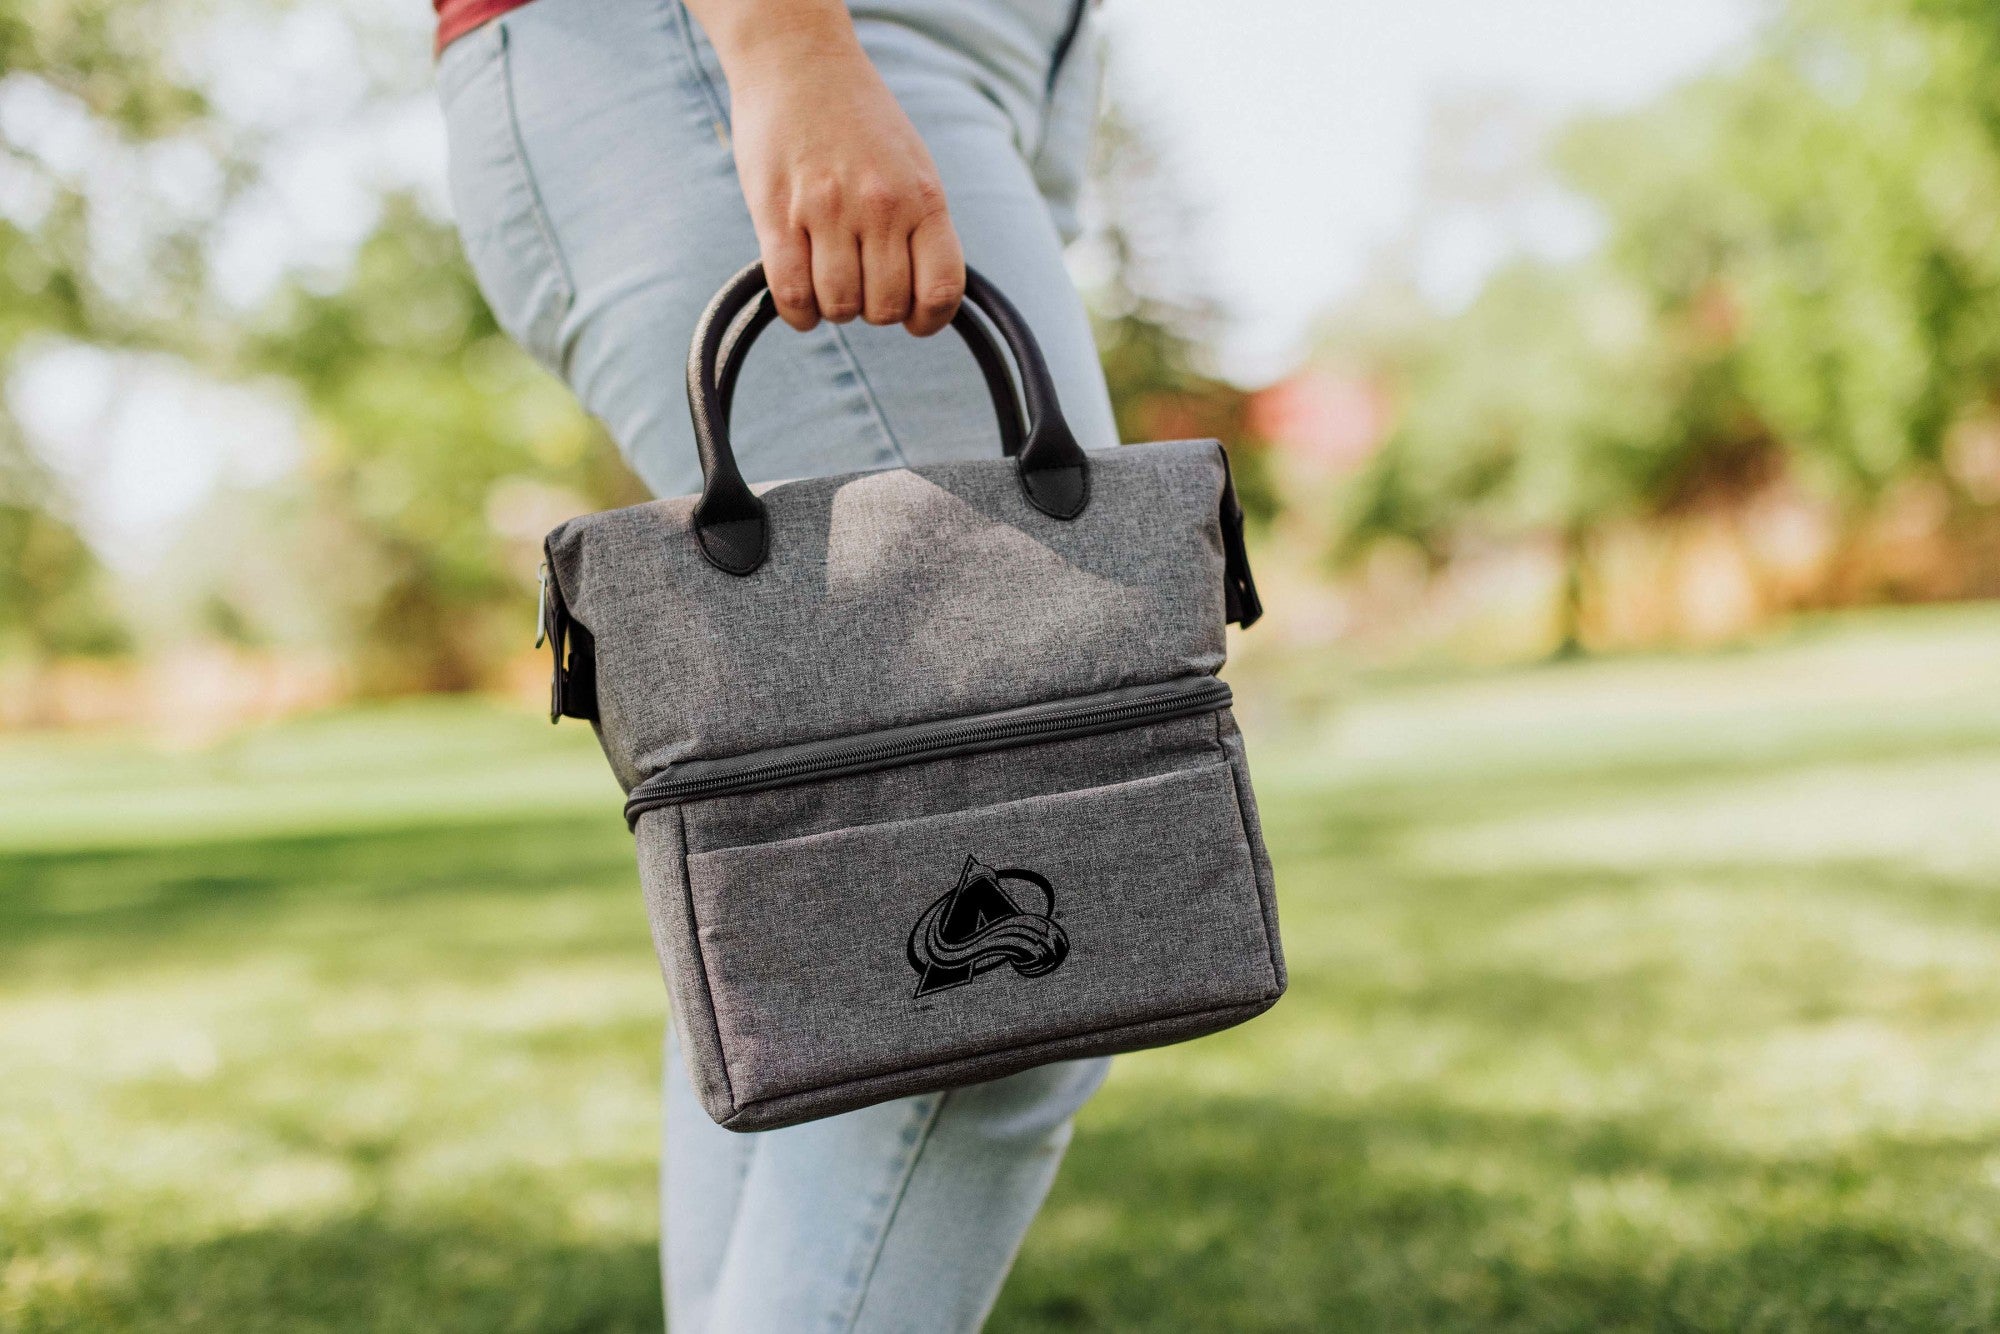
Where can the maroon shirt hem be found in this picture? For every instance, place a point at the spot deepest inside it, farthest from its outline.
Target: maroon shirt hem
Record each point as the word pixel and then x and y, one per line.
pixel 459 17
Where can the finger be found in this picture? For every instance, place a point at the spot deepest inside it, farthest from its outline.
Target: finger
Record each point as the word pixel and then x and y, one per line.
pixel 836 273
pixel 788 270
pixel 885 275
pixel 937 275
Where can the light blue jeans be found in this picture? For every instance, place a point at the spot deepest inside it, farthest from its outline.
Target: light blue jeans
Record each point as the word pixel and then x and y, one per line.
pixel 597 197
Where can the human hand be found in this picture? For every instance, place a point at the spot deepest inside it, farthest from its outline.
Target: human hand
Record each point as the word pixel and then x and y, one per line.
pixel 850 215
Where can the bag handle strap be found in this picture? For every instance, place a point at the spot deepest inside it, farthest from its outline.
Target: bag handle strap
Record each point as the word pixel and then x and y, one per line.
pixel 993 365
pixel 729 520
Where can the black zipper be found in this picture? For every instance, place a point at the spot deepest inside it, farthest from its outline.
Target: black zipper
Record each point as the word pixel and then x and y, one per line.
pixel 1112 711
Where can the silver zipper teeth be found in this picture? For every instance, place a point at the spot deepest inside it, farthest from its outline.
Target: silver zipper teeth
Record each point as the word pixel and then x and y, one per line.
pixel 1202 699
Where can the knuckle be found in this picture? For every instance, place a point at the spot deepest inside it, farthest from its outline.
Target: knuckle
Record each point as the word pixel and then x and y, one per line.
pixel 927 198
pixel 938 298
pixel 791 294
pixel 879 201
pixel 820 198
pixel 887 312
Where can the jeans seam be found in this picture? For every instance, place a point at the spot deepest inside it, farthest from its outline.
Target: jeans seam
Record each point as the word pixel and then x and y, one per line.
pixel 691 48
pixel 537 209
pixel 902 1189
pixel 871 403
pixel 1062 71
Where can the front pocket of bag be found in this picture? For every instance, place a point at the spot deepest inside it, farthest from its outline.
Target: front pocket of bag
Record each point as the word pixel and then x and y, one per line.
pixel 846 954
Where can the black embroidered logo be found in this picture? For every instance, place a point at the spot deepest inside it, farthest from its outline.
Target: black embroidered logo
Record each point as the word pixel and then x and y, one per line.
pixel 978 925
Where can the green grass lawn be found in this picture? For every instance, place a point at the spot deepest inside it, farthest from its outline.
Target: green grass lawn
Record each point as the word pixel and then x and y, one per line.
pixel 1655 995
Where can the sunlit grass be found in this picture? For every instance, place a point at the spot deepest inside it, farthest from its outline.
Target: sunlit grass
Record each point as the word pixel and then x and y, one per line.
pixel 1645 995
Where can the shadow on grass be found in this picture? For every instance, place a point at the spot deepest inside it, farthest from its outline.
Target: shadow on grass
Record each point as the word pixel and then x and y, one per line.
pixel 450 1272
pixel 89 908
pixel 1247 1215
pixel 1222 1214
pixel 1188 1213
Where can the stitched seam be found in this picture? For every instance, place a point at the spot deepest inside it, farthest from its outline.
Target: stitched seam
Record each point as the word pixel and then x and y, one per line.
pixel 868 395
pixel 692 50
pixel 1063 62
pixel 1065 47
pixel 1243 821
pixel 818 1092
pixel 701 964
pixel 537 210
pixel 895 1206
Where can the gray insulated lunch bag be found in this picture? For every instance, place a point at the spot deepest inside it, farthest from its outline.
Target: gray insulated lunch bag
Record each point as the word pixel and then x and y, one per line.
pixel 931 774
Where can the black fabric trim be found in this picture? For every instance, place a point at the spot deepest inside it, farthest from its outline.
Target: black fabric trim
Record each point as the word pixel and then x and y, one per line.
pixel 1239 589
pixel 579 678
pixel 572 650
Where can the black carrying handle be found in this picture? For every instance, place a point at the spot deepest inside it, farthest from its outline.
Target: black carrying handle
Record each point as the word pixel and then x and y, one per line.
pixel 730 523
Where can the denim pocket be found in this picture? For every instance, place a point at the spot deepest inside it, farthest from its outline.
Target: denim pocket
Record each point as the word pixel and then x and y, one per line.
pixel 505 229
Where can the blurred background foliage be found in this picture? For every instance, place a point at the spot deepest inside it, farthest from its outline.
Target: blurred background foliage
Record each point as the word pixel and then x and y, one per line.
pixel 1789 337
pixel 1773 385
pixel 1639 992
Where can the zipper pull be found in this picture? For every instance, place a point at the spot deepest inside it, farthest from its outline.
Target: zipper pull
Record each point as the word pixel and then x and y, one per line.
pixel 542 605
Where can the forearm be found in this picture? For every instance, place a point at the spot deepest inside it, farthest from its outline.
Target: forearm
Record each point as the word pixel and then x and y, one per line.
pixel 850 215
pixel 759 39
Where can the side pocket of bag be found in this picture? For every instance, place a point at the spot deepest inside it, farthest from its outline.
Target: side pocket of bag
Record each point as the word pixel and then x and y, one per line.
pixel 670 912
pixel 505 229
pixel 1230 738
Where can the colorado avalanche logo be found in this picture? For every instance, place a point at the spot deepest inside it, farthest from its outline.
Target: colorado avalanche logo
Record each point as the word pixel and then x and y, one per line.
pixel 977 925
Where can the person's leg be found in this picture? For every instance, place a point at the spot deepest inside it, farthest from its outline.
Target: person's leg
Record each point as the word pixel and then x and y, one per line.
pixel 901 1218
pixel 594 188
pixel 702 1173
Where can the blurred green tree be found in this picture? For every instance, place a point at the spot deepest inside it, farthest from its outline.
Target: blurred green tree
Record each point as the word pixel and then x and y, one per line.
pixel 55 599
pixel 1801 275
pixel 1838 195
pixel 435 452
pixel 438 455
pixel 68 67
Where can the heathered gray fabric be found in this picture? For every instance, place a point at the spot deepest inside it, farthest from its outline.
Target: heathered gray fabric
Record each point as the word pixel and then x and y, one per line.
pixel 1157 895
pixel 1253 830
pixel 785 960
pixel 783 918
pixel 896 597
pixel 1149 838
pixel 964 783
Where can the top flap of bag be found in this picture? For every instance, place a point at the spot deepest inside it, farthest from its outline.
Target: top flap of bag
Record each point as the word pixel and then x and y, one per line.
pixel 895 597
